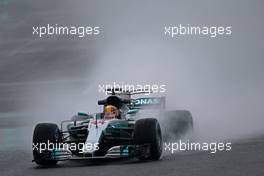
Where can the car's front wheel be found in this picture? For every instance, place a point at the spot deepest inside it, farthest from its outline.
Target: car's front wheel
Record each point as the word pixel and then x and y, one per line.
pixel 147 131
pixel 44 134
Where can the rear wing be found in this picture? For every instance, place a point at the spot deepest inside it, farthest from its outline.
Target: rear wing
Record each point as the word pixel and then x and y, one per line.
pixel 126 94
pixel 149 103
pixel 139 103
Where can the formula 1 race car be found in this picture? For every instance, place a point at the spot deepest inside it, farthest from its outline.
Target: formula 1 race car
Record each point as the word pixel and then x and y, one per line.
pixel 124 129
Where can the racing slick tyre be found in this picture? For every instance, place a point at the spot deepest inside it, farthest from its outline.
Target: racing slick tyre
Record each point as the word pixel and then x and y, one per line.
pixel 179 123
pixel 147 131
pixel 43 133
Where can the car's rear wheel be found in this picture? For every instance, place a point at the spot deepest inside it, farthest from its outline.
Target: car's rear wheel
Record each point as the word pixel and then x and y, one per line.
pixel 45 133
pixel 147 131
pixel 178 123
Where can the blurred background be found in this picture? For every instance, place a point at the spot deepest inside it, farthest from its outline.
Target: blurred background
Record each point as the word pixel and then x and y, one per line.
pixel 220 80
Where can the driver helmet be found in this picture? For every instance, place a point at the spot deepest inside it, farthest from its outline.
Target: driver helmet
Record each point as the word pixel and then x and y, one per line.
pixel 111 112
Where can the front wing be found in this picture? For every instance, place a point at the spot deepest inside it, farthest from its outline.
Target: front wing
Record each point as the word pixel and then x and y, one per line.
pixel 122 151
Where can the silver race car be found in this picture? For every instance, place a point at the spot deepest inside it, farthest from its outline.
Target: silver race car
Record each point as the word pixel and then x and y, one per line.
pixel 126 128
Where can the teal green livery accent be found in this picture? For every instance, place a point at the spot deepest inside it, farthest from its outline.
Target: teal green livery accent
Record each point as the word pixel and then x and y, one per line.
pixel 82 114
pixel 132 111
pixel 113 127
pixel 124 150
